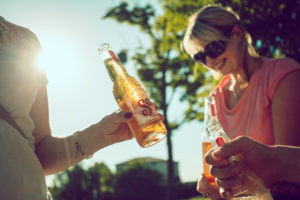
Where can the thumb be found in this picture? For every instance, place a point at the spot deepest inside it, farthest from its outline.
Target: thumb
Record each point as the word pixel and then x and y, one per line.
pixel 233 147
pixel 122 116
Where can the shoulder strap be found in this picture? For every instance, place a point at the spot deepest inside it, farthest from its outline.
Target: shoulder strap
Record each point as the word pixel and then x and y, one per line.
pixel 7 117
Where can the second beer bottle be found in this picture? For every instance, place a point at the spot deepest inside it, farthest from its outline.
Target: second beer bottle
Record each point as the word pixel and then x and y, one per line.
pixel 146 124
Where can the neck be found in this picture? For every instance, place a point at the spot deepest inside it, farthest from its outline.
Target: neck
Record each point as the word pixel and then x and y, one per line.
pixel 240 79
pixel 252 64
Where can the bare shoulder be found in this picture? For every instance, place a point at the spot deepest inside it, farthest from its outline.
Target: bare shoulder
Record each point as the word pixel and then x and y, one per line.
pixel 286 109
pixel 290 84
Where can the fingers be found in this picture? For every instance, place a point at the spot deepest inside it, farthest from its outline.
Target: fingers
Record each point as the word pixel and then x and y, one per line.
pixel 225 172
pixel 229 183
pixel 207 189
pixel 233 147
pixel 121 116
pixel 211 160
pixel 226 193
pixel 204 187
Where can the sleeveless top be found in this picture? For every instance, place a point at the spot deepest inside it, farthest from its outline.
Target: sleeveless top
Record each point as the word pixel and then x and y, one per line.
pixel 251 116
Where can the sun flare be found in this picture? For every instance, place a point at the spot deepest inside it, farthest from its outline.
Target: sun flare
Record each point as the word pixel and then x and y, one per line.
pixel 56 57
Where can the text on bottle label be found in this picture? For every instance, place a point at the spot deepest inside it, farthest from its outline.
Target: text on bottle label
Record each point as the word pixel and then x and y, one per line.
pixel 146 104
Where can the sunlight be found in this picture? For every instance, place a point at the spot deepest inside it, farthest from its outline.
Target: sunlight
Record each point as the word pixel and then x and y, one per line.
pixel 57 58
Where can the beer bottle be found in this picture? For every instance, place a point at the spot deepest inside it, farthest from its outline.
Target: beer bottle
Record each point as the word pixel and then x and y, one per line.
pixel 253 187
pixel 206 140
pixel 146 124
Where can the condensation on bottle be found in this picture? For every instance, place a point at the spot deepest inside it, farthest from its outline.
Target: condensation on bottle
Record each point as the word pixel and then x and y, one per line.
pixel 253 187
pixel 146 124
pixel 206 141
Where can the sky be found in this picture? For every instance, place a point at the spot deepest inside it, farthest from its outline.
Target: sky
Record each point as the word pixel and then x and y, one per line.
pixel 79 88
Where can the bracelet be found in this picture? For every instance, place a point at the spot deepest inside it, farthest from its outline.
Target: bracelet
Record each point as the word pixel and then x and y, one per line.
pixel 78 147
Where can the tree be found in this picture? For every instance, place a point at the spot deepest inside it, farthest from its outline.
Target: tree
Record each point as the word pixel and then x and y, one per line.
pixel 74 185
pixel 97 182
pixel 138 182
pixel 273 25
pixel 164 69
pixel 101 181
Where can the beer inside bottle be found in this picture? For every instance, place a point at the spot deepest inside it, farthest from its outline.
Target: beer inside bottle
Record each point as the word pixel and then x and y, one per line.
pixel 206 146
pixel 206 142
pixel 146 124
pixel 253 187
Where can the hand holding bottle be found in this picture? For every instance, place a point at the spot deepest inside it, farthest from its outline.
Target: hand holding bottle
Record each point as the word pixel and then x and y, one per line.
pixel 146 124
pixel 114 128
pixel 255 157
pixel 208 189
pixel 249 186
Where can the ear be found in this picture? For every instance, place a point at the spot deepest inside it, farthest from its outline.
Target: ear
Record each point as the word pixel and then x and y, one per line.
pixel 238 34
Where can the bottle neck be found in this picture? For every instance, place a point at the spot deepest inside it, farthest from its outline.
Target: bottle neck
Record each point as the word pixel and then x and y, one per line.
pixel 213 112
pixel 210 112
pixel 116 70
pixel 214 120
pixel 114 66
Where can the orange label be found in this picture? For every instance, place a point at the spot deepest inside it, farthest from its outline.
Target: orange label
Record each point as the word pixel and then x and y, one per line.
pixel 146 104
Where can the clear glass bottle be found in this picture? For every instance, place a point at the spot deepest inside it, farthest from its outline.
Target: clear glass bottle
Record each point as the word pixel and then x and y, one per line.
pixel 206 140
pixel 253 187
pixel 146 124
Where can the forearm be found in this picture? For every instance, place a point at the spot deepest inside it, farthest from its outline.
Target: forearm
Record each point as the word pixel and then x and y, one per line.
pixel 287 161
pixel 57 154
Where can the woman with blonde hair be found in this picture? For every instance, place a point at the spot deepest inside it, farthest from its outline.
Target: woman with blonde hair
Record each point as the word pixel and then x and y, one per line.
pixel 257 97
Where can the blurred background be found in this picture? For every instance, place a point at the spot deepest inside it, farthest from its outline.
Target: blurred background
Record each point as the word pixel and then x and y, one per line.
pixel 146 35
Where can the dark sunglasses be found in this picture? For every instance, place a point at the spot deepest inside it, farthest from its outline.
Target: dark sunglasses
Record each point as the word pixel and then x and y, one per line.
pixel 212 50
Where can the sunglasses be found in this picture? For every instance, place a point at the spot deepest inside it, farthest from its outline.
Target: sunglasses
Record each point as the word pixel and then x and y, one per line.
pixel 212 50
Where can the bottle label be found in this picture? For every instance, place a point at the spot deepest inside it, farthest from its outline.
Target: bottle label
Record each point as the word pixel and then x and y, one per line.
pixel 146 105
pixel 114 57
pixel 143 110
pixel 220 141
pixel 212 108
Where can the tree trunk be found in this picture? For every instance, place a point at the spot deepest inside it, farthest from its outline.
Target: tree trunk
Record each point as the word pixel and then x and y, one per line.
pixel 171 182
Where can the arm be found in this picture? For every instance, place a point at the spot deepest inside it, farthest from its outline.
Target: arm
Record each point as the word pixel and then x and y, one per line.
pixel 286 110
pixel 288 162
pixel 57 154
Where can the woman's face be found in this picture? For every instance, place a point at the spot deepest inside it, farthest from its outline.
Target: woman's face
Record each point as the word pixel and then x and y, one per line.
pixel 229 62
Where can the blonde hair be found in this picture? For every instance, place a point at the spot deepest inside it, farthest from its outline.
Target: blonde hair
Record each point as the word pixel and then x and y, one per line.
pixel 211 23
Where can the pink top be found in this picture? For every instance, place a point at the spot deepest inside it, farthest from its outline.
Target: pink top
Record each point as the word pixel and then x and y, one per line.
pixel 251 116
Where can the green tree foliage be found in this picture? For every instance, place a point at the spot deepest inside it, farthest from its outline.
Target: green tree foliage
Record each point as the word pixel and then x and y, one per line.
pixel 167 72
pixel 273 25
pixel 96 182
pixel 139 182
pixel 75 183
pixel 101 181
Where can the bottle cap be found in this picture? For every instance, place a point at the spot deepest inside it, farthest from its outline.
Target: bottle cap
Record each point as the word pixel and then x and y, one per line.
pixel 103 47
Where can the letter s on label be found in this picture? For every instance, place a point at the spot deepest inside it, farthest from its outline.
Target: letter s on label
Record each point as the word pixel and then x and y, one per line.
pixel 146 104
